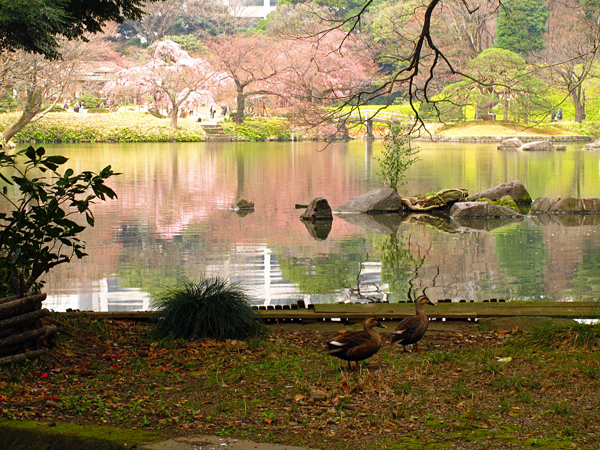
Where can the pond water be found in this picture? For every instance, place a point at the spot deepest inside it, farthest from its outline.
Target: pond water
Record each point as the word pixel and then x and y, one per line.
pixel 172 221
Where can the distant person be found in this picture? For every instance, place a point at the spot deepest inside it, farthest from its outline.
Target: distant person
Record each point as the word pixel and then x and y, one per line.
pixel 76 107
pixel 559 114
pixel 66 105
pixel 223 110
pixel 212 113
pixel 553 118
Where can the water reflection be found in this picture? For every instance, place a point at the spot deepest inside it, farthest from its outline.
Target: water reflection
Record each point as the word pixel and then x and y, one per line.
pixel 172 221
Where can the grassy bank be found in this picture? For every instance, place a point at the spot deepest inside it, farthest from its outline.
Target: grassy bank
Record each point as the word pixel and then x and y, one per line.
pixel 467 389
pixel 138 127
pixel 113 127
pixel 130 126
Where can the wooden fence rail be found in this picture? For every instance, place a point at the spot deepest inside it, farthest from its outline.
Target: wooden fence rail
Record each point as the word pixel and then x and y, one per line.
pixel 396 311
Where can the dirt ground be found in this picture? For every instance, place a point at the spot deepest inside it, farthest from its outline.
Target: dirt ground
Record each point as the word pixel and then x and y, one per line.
pixel 467 389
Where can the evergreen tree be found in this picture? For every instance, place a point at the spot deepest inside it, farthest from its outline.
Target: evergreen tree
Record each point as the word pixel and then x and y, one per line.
pixel 521 25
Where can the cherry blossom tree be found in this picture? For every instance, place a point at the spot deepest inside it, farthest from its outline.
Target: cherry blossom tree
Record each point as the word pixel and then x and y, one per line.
pixel 322 73
pixel 173 76
pixel 255 64
pixel 305 73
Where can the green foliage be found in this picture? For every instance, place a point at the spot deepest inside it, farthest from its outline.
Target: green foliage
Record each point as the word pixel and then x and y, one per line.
pixel 34 25
pixel 503 74
pixel 397 157
pixel 190 43
pixel 443 108
pixel 38 233
pixel 213 308
pixel 262 130
pixel 521 25
pixel 8 104
pixel 90 100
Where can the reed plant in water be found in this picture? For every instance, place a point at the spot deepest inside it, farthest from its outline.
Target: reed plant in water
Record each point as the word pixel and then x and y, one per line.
pixel 213 308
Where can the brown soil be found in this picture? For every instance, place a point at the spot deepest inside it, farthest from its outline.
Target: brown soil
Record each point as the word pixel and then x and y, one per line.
pixel 466 390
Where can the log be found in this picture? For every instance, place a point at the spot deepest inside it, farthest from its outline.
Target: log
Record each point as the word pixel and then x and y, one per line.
pixel 21 357
pixel 13 308
pixel 44 331
pixel 16 297
pixel 440 199
pixel 65 327
pixel 24 318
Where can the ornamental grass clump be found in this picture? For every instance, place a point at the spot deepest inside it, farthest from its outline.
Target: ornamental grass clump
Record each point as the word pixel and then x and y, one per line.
pixel 213 308
pixel 577 336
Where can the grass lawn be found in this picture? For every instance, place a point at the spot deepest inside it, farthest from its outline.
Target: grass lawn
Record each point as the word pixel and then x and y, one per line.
pixel 501 129
pixel 468 389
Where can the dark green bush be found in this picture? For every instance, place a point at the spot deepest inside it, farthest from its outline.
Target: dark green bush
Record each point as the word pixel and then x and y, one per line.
pixel 213 308
pixel 91 101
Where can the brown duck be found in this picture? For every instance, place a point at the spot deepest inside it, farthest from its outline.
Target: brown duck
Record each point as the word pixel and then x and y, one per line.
pixel 357 345
pixel 412 329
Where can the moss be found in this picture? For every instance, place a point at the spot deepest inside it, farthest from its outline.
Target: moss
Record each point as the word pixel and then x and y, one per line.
pixel 507 201
pixel 45 436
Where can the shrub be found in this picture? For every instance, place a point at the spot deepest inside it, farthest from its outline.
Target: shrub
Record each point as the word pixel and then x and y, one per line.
pixel 213 308
pixel 397 157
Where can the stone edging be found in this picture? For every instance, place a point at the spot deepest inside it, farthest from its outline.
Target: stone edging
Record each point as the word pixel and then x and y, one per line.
pixel 493 139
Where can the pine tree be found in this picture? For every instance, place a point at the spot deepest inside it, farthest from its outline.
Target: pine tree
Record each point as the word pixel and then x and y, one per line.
pixel 521 25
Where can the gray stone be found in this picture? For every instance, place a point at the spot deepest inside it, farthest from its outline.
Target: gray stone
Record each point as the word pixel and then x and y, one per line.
pixel 318 209
pixel 510 144
pixel 537 146
pixel 380 200
pixel 465 210
pixel 515 189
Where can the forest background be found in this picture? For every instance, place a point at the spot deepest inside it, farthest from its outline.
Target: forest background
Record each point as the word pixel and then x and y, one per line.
pixel 311 63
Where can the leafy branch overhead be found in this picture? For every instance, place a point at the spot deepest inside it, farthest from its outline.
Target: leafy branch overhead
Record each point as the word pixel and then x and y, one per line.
pixel 39 231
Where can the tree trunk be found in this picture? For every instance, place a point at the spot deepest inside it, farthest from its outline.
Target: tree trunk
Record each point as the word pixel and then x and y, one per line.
pixel 32 107
pixel 14 128
pixel 241 105
pixel 579 103
pixel 174 114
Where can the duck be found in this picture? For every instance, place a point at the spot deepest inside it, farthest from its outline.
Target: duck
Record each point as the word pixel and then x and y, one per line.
pixel 413 328
pixel 357 345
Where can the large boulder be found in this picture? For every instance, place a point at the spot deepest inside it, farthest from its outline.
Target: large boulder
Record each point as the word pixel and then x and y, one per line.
pixel 540 146
pixel 380 200
pixel 510 144
pixel 476 210
pixel 567 205
pixel 318 209
pixel 514 189
pixel 593 146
